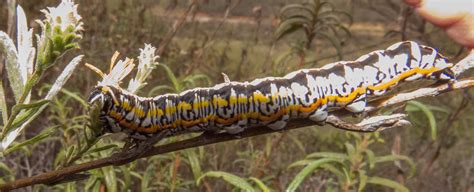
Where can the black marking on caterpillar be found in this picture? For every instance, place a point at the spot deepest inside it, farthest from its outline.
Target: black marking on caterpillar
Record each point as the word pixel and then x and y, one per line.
pixel 272 101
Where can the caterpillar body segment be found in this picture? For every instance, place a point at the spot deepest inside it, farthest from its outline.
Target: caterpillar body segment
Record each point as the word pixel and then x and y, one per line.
pixel 272 101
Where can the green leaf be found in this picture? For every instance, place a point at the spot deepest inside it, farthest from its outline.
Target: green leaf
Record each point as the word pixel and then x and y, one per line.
pixel 411 108
pixel 32 111
pixel 229 178
pixel 307 171
pixel 290 25
pixel 334 170
pixel 43 135
pixel 147 178
pixel 127 177
pixel 36 104
pixel 5 169
pixel 429 114
pixel 260 184
pixel 351 152
pixel 110 178
pixel 193 78
pixel 171 77
pixel 388 158
pixel 303 162
pixel 333 155
pixel 75 96
pixel 362 180
pixel 160 89
pixel 297 8
pixel 388 183
pixel 371 158
pixel 194 162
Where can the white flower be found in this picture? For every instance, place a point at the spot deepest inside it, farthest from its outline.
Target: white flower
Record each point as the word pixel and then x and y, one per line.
pixel 59 32
pixel 146 63
pixel 118 71
pixel 63 16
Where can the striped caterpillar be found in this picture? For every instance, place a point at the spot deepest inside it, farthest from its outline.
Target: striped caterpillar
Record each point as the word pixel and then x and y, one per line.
pixel 271 101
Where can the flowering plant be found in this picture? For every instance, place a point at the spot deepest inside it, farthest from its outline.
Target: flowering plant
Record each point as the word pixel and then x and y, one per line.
pixel 60 31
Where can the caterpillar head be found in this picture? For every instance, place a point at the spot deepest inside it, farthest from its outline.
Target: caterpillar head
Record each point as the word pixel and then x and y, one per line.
pixel 105 95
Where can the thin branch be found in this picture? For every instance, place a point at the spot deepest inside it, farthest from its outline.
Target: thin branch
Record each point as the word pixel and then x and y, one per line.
pixel 368 125
pixel 176 27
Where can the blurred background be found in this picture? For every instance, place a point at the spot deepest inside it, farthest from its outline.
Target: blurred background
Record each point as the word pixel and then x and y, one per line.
pixel 200 39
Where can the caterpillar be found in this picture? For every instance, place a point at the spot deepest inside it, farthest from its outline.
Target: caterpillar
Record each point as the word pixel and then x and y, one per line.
pixel 272 101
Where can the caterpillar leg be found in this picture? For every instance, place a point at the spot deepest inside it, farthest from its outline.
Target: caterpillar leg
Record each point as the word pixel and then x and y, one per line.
pixel 233 129
pixel 319 115
pixel 445 75
pixel 141 146
pixel 277 125
pixel 358 105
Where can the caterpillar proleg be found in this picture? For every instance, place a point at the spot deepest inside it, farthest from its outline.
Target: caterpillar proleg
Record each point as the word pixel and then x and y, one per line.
pixel 272 101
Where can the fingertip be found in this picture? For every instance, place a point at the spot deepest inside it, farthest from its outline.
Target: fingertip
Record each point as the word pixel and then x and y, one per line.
pixel 414 3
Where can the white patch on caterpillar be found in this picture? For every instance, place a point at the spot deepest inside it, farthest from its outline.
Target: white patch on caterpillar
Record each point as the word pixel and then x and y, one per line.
pixel 330 65
pixel 130 115
pixel 137 121
pixel 395 46
pixel 363 57
pixel 370 75
pixel 313 87
pixel 401 60
pixel 146 122
pixel 291 75
pixel 319 115
pixel 300 91
pixel 358 105
pixel 353 76
pixel 256 82
pixel 337 82
pixel 441 63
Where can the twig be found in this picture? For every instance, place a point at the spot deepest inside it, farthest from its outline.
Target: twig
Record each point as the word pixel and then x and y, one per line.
pixel 176 27
pixel 368 125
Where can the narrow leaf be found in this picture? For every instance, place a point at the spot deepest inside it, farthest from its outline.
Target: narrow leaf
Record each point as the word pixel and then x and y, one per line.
pixel 229 178
pixel 429 114
pixel 370 157
pixel 388 183
pixel 362 180
pixel 328 155
pixel 43 135
pixel 63 77
pixel 171 77
pixel 7 47
pixel 260 184
pixel 307 171
pixel 389 158
pixel 194 162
